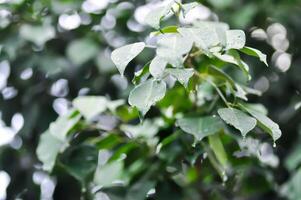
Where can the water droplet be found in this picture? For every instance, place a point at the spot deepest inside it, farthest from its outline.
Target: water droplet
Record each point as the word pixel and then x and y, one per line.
pixel 274 145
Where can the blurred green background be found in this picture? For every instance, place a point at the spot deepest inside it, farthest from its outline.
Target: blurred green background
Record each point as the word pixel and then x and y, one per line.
pixel 52 51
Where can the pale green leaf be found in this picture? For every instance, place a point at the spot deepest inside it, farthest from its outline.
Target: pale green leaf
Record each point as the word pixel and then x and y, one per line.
pixel 48 149
pixel 291 189
pixel 124 55
pixel 107 175
pixel 113 105
pixel 146 129
pixel 154 17
pixel 200 127
pixel 208 34
pixel 147 94
pixel 157 66
pixel 265 123
pixel 172 47
pixel 182 75
pixel 254 52
pixel 294 158
pixel 63 125
pixel 221 4
pixel 234 58
pixel 297 105
pixel 194 35
pixel 81 51
pixel 241 121
pixel 90 106
pixel 257 107
pixel 236 39
pixel 37 34
pixel 212 33
pixel 251 90
pixel 240 92
pixel 189 6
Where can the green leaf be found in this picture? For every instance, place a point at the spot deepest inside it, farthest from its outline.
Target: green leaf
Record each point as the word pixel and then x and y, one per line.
pixel 172 47
pixel 265 123
pixel 182 75
pixel 63 125
pixel 80 161
pixel 48 149
pixel 157 67
pixel 218 148
pixel 257 107
pixel 52 65
pixel 293 160
pixel 142 74
pixel 291 189
pixel 146 129
pixel 241 121
pixel 254 52
pixel 236 39
pixel 218 73
pixel 234 58
pixel 147 94
pixel 139 190
pixel 90 106
pixel 124 55
pixel 200 127
pixel 39 35
pixel 82 50
pixel 167 29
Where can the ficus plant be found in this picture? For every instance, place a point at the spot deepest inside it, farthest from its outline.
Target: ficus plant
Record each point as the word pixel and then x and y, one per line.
pixel 188 132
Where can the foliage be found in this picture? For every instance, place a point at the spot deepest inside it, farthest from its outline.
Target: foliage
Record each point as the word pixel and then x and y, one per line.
pixel 191 128
pixel 142 156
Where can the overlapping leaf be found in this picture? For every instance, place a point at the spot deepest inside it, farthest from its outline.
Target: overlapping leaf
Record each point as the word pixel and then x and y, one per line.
pixel 241 121
pixel 124 55
pixel 200 127
pixel 147 94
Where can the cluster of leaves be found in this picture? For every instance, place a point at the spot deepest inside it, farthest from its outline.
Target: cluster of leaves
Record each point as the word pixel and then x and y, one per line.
pixel 180 149
pixel 40 55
